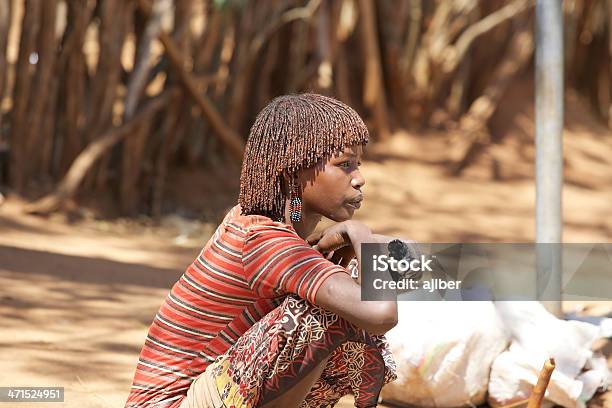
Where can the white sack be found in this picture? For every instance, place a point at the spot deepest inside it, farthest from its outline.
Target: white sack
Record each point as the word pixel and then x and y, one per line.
pixel 536 336
pixel 444 351
pixel 450 353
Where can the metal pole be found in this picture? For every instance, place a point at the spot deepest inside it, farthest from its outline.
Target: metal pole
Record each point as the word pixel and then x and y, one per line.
pixel 549 149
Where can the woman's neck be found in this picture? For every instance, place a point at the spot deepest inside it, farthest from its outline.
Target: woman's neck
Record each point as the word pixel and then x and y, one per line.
pixel 306 225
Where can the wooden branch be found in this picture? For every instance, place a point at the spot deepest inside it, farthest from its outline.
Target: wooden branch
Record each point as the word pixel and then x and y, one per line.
pixel 298 13
pixel 425 72
pixel 455 21
pixel 537 394
pixel 454 54
pixel 455 103
pixel 346 20
pixel 204 52
pixel 67 188
pixel 438 24
pixel 227 136
pixel 373 87
pixel 437 59
pixel 246 60
pixel 517 56
pixel 412 36
pixel 545 374
pixel 473 123
pixel 140 72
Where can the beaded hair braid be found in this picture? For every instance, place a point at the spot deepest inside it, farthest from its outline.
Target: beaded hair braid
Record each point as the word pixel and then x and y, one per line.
pixel 292 132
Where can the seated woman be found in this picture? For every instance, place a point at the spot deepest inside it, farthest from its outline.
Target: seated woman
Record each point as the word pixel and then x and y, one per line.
pixel 261 317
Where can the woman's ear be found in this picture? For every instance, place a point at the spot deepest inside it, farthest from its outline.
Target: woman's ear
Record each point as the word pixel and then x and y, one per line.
pixel 286 180
pixel 291 178
pixel 286 177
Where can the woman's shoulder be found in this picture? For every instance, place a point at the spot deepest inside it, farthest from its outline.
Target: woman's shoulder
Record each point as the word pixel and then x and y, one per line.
pixel 254 223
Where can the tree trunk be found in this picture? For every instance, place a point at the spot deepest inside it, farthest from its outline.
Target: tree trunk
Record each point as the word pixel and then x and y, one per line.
pixel 345 27
pixel 241 70
pixel 73 84
pixel 226 54
pixel 133 148
pixel 297 55
pixel 108 71
pixel 140 72
pixel 49 140
pixel 373 88
pixel 161 161
pixel 324 52
pixel 131 164
pixel 5 23
pixel 264 83
pixel 609 64
pixel 23 74
pixel 115 21
pixel 40 95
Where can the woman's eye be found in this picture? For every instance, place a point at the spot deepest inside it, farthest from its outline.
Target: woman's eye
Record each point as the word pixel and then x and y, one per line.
pixel 345 165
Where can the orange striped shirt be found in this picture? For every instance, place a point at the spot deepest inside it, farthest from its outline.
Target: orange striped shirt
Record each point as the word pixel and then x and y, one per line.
pixel 243 272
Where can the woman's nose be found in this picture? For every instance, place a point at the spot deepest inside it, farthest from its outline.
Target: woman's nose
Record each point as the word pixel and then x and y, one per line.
pixel 357 181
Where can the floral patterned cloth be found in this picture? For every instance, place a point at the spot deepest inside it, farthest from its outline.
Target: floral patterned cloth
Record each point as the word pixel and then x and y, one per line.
pixel 280 349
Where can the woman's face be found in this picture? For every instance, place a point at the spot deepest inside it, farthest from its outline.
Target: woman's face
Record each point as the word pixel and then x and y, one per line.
pixel 332 188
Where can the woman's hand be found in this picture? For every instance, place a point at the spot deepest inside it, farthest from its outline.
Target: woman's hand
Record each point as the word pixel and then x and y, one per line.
pixel 342 256
pixel 341 242
pixel 330 239
pixel 339 235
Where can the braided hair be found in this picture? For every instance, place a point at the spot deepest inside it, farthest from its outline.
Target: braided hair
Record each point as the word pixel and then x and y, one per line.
pixel 292 132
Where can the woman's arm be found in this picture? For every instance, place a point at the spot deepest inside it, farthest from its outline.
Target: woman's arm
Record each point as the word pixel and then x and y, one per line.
pixel 341 294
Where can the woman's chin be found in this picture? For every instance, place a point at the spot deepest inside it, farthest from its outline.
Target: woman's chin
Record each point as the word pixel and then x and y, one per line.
pixel 343 214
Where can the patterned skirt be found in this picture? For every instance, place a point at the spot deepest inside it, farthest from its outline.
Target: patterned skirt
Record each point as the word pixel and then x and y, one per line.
pixel 287 343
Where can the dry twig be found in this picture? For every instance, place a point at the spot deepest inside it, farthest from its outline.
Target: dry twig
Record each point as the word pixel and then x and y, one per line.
pixel 537 394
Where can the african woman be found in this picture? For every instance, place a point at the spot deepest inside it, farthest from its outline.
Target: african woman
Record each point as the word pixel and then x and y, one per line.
pixel 261 317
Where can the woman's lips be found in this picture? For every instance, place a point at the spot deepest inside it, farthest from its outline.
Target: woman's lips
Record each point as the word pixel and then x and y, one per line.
pixel 356 204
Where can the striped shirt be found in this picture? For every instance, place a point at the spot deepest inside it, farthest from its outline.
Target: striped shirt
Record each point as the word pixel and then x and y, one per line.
pixel 243 272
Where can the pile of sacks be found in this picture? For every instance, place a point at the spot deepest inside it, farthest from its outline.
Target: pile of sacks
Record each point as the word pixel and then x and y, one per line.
pixel 452 354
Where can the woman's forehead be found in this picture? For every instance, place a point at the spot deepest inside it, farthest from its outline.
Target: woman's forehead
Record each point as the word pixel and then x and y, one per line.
pixel 354 150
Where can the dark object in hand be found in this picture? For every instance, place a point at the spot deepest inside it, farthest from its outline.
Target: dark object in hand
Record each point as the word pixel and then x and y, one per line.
pixel 397 249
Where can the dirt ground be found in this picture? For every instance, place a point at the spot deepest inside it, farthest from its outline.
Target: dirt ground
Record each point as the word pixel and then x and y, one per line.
pixel 77 298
